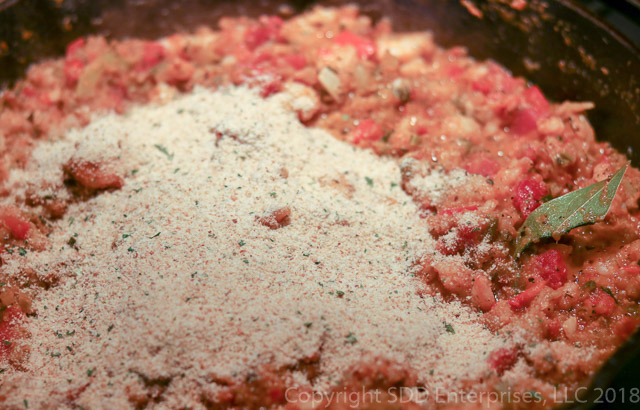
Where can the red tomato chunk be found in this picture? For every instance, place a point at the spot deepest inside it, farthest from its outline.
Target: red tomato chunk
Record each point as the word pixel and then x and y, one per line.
pixel 365 48
pixel 267 29
pixel 528 194
pixel 603 304
pixel 367 130
pixel 14 220
pixel 552 268
pixel 8 327
pixel 503 359
pixel 525 297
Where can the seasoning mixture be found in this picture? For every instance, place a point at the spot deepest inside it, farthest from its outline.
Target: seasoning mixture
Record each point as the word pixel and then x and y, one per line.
pixel 283 210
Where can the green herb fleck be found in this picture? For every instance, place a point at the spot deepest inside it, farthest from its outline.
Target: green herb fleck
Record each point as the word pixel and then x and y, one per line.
pixel 351 338
pixel 369 181
pixel 535 394
pixel 164 151
pixel 449 328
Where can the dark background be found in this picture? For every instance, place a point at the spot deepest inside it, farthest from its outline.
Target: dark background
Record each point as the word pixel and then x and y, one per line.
pixel 622 15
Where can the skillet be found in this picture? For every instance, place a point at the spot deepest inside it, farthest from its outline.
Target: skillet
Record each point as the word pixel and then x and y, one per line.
pixel 555 44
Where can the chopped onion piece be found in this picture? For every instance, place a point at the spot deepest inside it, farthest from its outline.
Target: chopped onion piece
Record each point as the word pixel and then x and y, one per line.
pixel 331 82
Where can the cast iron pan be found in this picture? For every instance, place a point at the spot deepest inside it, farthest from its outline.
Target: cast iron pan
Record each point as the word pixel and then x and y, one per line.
pixel 555 44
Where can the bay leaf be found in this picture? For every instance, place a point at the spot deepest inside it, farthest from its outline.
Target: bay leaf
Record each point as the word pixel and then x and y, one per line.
pixel 557 217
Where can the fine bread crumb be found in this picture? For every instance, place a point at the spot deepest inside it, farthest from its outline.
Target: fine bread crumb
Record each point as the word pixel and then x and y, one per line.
pixel 172 277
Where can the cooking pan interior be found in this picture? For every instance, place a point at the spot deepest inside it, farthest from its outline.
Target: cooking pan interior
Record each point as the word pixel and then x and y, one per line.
pixel 554 44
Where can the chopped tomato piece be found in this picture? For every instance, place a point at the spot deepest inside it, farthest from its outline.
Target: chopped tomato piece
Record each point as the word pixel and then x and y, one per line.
pixel 72 70
pixel 152 55
pixel 603 304
pixel 551 267
pixel 482 165
pixel 554 328
pixel 454 71
pixel 503 359
pixel 367 130
pixel 632 269
pixel 268 28
pixel 261 57
pixel 270 87
pixel 15 221
pixel 276 394
pixel 525 297
pixel 296 61
pixel 278 218
pixel 365 48
pixel 29 91
pixel 467 237
pixel 483 85
pixel 8 326
pixel 525 119
pixel 536 99
pixel 528 194
pixel 74 46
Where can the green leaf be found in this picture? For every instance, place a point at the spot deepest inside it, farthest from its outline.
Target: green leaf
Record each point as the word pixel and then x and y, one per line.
pixel 557 217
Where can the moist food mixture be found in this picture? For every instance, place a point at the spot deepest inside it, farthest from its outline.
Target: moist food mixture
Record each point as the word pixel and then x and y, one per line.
pixel 308 212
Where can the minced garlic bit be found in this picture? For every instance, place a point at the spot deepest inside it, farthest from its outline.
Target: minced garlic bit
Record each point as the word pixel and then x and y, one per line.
pixel 174 278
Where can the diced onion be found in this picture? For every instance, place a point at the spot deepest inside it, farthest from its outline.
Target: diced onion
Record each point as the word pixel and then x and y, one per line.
pixel 401 89
pixel 331 82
